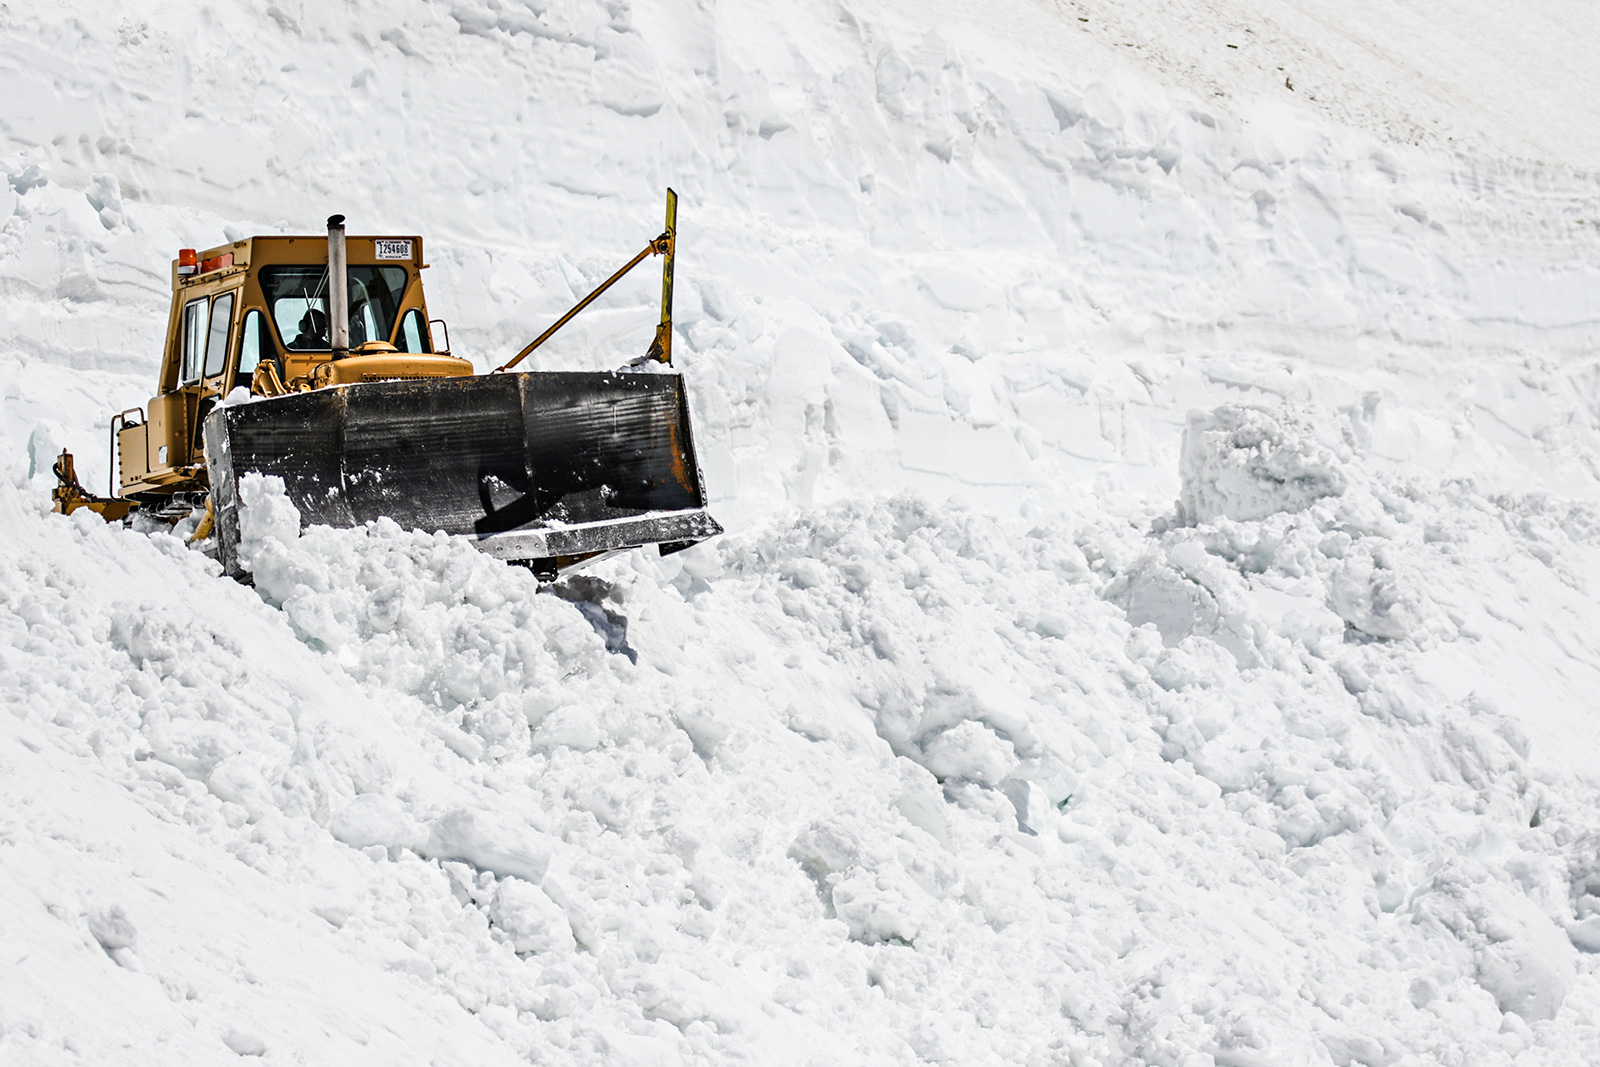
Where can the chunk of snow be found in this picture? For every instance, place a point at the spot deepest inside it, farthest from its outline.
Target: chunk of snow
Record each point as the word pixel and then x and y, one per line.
pixel 489 844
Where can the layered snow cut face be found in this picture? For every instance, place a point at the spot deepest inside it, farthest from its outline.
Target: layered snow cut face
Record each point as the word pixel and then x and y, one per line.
pixel 1160 452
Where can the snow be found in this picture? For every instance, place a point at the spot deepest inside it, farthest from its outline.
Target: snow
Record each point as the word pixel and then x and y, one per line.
pixel 1155 623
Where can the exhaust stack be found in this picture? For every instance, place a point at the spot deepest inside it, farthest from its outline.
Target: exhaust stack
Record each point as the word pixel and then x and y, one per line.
pixel 338 289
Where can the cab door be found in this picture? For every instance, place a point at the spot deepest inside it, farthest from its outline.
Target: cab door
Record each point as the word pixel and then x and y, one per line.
pixel 210 360
pixel 170 439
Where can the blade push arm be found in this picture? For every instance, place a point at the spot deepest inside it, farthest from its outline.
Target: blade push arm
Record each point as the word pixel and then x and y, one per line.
pixel 662 246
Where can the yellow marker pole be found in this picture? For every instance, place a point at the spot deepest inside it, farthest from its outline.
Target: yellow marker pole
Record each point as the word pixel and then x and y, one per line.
pixel 662 348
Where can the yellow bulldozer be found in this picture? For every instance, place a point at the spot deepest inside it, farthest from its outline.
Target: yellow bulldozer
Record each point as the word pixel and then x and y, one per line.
pixel 314 360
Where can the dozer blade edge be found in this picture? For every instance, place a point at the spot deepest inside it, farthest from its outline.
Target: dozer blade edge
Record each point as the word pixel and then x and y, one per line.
pixel 546 468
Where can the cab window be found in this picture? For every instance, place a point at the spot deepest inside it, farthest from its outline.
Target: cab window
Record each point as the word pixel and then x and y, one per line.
pixel 413 334
pixel 255 345
pixel 217 335
pixel 297 299
pixel 194 340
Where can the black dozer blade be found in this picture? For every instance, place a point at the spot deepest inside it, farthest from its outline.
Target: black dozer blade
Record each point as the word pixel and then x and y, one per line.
pixel 543 468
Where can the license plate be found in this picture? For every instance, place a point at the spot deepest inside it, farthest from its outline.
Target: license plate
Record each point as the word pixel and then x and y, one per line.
pixel 391 248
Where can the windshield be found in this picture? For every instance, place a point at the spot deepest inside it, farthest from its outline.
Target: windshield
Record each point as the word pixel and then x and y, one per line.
pixel 297 298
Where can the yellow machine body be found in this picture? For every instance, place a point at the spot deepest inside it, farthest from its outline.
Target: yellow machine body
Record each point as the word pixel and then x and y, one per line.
pixel 222 325
pixel 363 415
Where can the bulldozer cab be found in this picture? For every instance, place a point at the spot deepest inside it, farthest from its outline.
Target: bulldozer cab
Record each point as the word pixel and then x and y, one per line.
pixel 255 314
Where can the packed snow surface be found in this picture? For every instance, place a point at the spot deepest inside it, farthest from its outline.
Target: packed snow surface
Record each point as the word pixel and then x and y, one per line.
pixel 1160 449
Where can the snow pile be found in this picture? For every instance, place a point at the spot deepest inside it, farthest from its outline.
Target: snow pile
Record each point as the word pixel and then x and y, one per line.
pixel 882 778
pixel 1155 624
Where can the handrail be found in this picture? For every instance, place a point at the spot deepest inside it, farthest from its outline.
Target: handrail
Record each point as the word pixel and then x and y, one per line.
pixel 111 450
